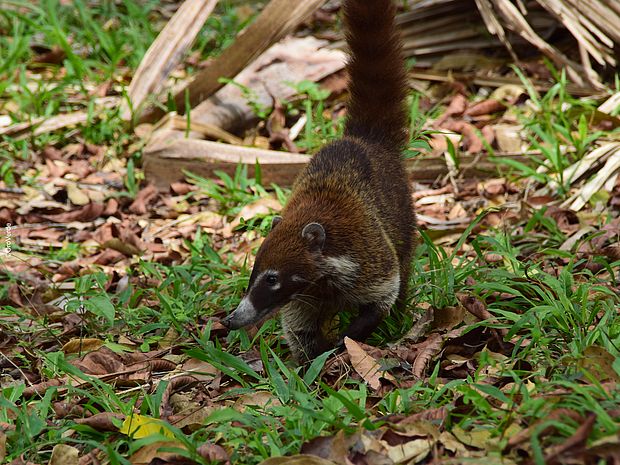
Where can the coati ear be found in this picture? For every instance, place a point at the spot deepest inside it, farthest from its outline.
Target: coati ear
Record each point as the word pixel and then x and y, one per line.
pixel 275 221
pixel 314 234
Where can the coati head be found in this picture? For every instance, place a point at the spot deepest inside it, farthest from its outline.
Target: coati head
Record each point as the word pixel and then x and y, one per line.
pixel 285 265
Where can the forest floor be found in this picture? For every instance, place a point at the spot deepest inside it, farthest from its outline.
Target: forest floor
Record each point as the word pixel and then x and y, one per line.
pixel 111 350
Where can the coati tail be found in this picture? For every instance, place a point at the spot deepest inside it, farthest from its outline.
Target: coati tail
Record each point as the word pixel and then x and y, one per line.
pixel 377 75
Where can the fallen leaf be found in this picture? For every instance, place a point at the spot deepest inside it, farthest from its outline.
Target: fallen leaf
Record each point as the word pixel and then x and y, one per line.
pixel 508 93
pixel 486 107
pixel 598 361
pixel 478 438
pixel 508 137
pixel 457 106
pixel 76 195
pixel 87 213
pixel 201 370
pixel 262 206
pixel 62 454
pixel 334 448
pixel 142 426
pixel 471 140
pixel 146 454
pixel 576 441
pixel 366 366
pixel 117 244
pixel 411 451
pixel 430 348
pixel 75 346
pixel 104 421
pixel 143 198
pixel 2 446
pixel 298 460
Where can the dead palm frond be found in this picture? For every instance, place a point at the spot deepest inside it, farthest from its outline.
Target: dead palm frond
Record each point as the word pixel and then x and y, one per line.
pixel 433 28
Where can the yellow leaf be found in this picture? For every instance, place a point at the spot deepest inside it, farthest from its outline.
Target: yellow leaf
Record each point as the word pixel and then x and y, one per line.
pixel 141 426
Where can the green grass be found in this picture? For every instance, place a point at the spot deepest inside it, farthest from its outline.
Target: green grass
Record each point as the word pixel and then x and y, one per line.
pixel 561 348
pixel 558 127
pixel 552 322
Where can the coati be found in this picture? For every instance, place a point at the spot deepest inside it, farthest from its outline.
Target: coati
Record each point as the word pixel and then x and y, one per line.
pixel 345 238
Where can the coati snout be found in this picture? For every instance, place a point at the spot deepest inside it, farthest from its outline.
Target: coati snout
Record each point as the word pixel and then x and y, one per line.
pixel 276 280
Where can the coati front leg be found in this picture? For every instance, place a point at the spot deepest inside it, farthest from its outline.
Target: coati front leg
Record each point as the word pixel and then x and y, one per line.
pixel 370 314
pixel 303 330
pixel 366 321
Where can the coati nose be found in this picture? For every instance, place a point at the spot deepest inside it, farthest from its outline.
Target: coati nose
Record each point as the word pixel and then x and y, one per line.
pixel 244 315
pixel 226 321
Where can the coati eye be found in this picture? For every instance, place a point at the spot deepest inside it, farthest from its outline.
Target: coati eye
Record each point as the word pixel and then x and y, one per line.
pixel 272 279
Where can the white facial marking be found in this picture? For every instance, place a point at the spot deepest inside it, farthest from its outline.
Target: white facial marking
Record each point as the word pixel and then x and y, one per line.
pixel 261 278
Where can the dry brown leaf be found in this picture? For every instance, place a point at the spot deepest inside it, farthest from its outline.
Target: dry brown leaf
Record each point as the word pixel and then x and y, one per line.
pixel 87 213
pixel 100 362
pixel 125 248
pixel 103 421
pixel 411 451
pixel 40 388
pixel 75 346
pixel 145 197
pixel 145 455
pixel 192 418
pixel 576 441
pixel 298 460
pixel 437 415
pixel 599 362
pixel 366 366
pixel 471 141
pixel 486 107
pixel 201 370
pixel 478 438
pixel 2 446
pixel 261 206
pixel 457 106
pixel 334 448
pixel 427 350
pixel 448 318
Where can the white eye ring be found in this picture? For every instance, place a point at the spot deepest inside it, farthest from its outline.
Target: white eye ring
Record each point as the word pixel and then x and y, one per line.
pixel 271 279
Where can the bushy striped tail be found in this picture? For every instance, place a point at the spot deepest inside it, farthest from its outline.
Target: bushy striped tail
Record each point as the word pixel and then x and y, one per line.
pixel 377 75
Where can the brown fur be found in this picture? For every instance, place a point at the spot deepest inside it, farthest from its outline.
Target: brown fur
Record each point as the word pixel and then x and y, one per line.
pixel 354 193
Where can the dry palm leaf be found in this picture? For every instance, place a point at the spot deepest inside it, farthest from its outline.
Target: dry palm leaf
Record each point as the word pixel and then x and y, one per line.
pixel 167 51
pixel 277 19
pixel 595 25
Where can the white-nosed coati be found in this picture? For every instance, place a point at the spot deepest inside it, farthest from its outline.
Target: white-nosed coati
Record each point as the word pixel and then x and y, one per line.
pixel 345 238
